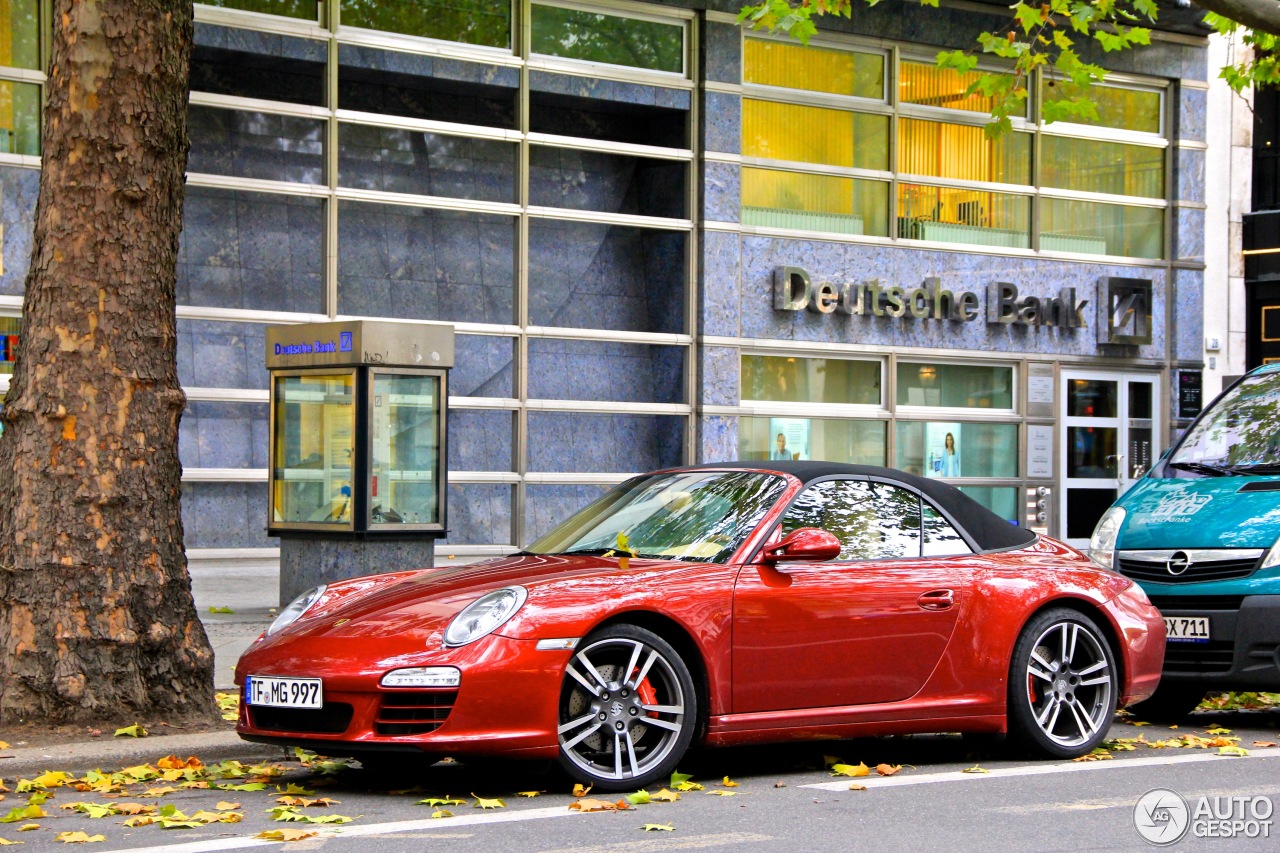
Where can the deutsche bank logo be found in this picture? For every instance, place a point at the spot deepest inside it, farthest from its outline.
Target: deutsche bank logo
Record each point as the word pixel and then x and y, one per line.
pixel 1161 816
pixel 344 342
pixel 1127 304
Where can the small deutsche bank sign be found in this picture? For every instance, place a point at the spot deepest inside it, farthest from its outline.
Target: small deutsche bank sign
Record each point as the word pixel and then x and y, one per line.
pixel 344 342
pixel 1127 305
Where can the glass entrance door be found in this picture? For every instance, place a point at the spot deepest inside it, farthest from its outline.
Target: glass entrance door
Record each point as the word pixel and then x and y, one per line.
pixel 1108 441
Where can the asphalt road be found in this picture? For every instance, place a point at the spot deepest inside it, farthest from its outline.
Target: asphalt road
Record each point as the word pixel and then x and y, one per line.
pixel 785 801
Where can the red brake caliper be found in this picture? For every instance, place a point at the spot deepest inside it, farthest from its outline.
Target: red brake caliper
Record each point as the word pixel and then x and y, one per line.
pixel 647 695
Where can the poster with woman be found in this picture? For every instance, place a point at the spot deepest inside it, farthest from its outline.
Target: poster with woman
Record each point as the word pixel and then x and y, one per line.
pixel 942 450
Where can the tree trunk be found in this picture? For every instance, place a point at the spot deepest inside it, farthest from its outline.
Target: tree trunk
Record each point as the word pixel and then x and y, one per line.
pixel 97 622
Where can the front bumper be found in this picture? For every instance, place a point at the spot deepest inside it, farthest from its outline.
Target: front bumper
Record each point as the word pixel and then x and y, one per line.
pixel 1243 651
pixel 506 703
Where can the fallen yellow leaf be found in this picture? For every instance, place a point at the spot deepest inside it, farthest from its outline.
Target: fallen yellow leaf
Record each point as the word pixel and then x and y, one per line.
pixel 141 820
pixel 859 769
pixel 1238 751
pixel 52 779
pixel 28 827
pixel 439 813
pixel 888 769
pixel 136 730
pixel 77 837
pixel 856 787
pixel 530 794
pixel 723 793
pixel 482 803
pixel 591 804
pixel 286 834
pixel 729 783
pixel 580 790
pixel 658 827
pixel 224 806
pixel 1263 744
pixel 664 796
pixel 172 762
pixel 976 769
pixel 4 842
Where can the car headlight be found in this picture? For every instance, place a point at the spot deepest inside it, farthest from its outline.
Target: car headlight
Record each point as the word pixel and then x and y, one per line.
pixel 1102 545
pixel 295 609
pixel 484 615
pixel 1273 556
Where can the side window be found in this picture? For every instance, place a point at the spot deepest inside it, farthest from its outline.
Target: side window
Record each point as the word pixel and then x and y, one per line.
pixel 871 520
pixel 940 538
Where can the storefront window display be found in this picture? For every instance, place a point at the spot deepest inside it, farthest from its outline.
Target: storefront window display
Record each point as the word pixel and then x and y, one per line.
pixel 950 449
pixel 963 386
pixel 313 457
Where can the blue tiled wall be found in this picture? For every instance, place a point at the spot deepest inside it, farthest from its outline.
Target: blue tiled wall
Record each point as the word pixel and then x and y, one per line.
pixel 562 369
pixel 480 439
pixel 221 355
pixel 225 515
pixel 18 191
pixel 224 435
pixel 251 250
pixel 584 443
pixel 590 276
pixel 397 261
pixel 478 513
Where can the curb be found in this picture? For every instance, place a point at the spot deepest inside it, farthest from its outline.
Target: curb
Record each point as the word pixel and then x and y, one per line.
pixel 112 754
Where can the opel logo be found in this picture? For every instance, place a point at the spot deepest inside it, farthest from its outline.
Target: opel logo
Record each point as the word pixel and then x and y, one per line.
pixel 1178 563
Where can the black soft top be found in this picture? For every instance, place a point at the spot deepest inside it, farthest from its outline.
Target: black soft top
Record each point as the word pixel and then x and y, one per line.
pixel 989 531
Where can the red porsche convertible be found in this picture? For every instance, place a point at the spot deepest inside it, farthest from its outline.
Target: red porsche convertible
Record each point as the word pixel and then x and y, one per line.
pixel 732 603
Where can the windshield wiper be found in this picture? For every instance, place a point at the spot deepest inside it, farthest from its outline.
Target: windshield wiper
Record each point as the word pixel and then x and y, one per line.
pixel 1206 468
pixel 1257 468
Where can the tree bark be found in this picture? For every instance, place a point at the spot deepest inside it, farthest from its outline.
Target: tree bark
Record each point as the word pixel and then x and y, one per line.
pixel 97 621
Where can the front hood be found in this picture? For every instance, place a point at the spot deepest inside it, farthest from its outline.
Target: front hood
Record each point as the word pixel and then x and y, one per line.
pixel 420 605
pixel 1207 512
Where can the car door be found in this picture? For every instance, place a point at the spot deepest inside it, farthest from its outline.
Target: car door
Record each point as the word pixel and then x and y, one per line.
pixel 867 627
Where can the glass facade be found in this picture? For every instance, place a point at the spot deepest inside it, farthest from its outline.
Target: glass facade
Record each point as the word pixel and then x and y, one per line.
pixel 600 197
pixel 952 182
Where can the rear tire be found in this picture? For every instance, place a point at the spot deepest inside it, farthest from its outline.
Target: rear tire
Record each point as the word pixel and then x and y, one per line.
pixel 1062 685
pixel 1172 701
pixel 628 709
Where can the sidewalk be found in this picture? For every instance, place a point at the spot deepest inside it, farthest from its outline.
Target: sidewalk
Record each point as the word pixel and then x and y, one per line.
pixel 112 753
pixel 250 590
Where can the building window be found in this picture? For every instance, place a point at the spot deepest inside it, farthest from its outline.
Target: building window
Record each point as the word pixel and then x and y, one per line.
pixel 817 153
pixel 958 386
pixel 479 22
pixel 596 37
pixel 308 10
pixel 20 98
pixel 783 379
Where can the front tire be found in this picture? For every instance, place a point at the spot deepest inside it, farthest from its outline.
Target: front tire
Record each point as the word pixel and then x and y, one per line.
pixel 628 709
pixel 1062 685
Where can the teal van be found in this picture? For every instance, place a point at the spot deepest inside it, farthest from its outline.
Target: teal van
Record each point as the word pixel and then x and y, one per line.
pixel 1201 534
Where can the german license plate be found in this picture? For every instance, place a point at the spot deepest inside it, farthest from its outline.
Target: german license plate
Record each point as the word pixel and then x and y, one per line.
pixel 283 692
pixel 1186 629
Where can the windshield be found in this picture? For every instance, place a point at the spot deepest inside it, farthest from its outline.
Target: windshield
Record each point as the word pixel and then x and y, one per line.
pixel 1239 435
pixel 702 516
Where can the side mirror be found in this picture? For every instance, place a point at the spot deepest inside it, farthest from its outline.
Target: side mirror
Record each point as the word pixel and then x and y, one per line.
pixel 806 543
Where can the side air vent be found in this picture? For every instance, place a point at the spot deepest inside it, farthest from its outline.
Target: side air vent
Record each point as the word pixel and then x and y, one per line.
pixel 1261 486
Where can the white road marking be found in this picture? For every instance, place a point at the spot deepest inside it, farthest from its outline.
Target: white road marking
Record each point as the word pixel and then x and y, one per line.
pixel 692 842
pixel 1113 803
pixel 352 831
pixel 874 781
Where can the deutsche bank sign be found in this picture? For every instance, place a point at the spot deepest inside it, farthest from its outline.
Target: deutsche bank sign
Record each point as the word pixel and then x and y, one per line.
pixel 794 290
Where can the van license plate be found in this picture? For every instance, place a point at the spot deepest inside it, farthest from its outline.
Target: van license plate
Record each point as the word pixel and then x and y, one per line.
pixel 283 692
pixel 1187 629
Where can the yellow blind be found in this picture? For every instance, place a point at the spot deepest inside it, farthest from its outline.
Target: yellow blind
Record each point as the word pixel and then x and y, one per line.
pixel 962 152
pixel 792 132
pixel 931 86
pixel 817 69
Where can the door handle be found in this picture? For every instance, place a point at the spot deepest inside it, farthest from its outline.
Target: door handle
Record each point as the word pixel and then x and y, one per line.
pixel 936 599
